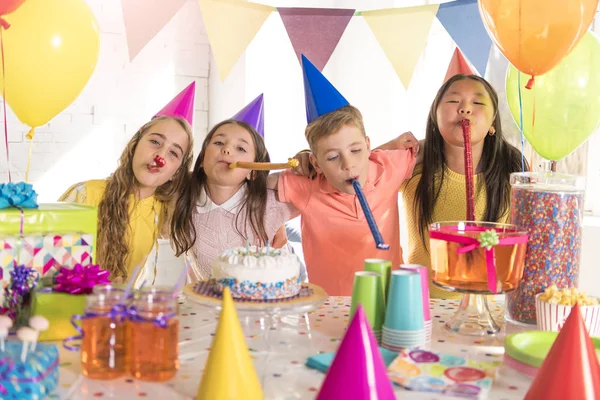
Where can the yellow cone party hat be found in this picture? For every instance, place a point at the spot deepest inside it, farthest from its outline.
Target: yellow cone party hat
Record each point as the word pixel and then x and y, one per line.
pixel 229 372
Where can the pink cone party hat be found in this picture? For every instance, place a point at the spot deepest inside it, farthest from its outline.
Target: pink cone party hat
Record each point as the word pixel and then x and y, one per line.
pixel 182 105
pixel 253 114
pixel 358 371
pixel 458 65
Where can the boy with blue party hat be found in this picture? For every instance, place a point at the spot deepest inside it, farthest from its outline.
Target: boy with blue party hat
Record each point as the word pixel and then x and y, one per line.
pixel 335 234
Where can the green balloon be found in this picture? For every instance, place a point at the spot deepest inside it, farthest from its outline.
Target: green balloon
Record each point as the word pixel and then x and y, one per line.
pixel 566 99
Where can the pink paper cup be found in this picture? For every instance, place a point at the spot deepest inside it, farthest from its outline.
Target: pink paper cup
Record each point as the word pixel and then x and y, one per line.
pixel 552 317
pixel 424 272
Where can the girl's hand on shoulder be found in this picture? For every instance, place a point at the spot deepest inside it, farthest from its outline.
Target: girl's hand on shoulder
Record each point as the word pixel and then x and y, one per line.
pixel 304 167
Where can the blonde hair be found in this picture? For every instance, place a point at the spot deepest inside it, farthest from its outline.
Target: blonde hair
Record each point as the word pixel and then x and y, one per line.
pixel 113 210
pixel 331 123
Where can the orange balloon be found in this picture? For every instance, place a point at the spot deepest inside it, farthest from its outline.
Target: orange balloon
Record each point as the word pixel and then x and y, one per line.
pixel 535 35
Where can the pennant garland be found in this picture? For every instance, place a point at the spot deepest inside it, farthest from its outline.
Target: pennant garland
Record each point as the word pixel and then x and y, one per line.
pixel 315 32
pixel 144 19
pixel 402 34
pixel 231 25
pixel 463 22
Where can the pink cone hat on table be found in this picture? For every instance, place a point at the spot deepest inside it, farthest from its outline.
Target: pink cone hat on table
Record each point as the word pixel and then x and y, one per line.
pixel 358 371
pixel 182 105
pixel 253 114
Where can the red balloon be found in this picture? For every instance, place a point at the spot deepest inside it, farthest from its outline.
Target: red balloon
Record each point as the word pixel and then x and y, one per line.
pixel 8 6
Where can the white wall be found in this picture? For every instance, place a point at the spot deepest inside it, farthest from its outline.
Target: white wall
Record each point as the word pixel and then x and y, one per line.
pixel 85 141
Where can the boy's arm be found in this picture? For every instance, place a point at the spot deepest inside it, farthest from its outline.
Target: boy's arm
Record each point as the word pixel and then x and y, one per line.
pixel 405 141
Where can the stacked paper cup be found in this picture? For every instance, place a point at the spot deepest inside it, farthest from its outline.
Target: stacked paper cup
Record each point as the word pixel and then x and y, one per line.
pixel 424 273
pixel 404 320
pixel 368 291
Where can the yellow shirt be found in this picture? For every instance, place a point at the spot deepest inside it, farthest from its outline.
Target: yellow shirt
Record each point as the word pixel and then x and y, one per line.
pixel 145 218
pixel 451 205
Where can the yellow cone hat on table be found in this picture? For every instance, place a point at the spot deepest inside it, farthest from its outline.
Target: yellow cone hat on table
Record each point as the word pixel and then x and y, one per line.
pixel 229 372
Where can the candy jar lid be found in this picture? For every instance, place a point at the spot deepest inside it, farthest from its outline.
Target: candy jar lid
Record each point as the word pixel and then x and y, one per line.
pixel 547 181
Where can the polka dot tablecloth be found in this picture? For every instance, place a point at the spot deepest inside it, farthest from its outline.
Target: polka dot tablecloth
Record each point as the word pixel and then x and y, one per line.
pixel 279 348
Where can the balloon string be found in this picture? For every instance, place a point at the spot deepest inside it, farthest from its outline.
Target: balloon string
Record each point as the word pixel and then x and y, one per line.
pixel 4 100
pixel 533 114
pixel 521 122
pixel 30 137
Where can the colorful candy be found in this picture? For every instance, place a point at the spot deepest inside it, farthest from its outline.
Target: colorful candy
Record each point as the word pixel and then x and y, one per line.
pixel 369 215
pixel 554 222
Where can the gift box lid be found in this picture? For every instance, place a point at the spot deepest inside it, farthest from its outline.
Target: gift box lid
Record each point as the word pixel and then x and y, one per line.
pixel 50 217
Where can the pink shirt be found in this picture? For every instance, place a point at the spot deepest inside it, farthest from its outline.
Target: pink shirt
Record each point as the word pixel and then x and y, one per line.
pixel 215 228
pixel 335 235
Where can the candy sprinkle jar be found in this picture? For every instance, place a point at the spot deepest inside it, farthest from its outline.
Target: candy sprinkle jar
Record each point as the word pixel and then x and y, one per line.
pixel 549 206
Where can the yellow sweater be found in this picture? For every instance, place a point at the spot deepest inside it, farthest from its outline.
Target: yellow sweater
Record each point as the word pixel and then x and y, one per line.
pixel 450 206
pixel 145 218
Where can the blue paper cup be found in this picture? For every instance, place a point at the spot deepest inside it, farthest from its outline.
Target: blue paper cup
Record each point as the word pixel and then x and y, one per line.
pixel 405 302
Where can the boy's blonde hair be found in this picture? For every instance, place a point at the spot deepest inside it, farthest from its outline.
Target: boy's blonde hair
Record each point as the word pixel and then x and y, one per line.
pixel 331 123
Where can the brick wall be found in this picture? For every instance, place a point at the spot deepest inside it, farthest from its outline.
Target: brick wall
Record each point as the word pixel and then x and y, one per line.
pixel 86 139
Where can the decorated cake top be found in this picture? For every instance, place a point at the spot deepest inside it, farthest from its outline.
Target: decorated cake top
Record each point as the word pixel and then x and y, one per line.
pixel 252 263
pixel 251 256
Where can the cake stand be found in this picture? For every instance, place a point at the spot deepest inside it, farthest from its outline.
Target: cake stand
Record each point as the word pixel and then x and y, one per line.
pixel 461 262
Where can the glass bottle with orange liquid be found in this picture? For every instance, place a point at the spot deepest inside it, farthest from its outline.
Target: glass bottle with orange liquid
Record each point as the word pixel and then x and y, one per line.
pixel 103 343
pixel 153 342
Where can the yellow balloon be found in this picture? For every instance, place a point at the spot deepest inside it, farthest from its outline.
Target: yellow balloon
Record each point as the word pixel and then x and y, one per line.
pixel 50 52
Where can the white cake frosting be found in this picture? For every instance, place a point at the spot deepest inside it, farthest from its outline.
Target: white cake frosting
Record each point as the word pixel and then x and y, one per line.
pixel 255 265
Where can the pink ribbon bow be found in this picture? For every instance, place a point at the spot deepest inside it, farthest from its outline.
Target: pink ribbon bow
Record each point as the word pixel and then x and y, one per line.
pixel 80 279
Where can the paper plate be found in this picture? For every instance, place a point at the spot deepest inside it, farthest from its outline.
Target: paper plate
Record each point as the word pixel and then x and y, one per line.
pixel 533 346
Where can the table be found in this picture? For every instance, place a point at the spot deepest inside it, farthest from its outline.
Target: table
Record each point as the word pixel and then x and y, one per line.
pixel 279 349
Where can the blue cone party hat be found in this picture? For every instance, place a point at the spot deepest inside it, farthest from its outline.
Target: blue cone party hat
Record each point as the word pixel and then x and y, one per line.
pixel 253 114
pixel 321 96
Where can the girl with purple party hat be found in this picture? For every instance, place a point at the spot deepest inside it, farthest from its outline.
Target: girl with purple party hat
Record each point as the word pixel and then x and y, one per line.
pixel 223 207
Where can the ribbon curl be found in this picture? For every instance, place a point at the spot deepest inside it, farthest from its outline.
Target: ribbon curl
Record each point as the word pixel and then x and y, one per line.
pixel 80 279
pixel 19 195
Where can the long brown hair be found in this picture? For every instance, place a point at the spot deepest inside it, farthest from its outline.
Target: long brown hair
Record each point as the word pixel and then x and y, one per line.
pixel 498 160
pixel 113 210
pixel 252 209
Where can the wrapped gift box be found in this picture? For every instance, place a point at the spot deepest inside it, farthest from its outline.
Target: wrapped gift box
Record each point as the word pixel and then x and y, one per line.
pixel 57 308
pixel 43 252
pixel 53 235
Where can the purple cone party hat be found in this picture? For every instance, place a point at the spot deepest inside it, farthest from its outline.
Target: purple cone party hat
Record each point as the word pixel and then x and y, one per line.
pixel 182 105
pixel 253 114
pixel 358 371
pixel 321 96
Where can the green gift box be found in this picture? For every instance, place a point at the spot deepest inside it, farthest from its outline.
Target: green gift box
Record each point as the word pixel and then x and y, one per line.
pixel 58 308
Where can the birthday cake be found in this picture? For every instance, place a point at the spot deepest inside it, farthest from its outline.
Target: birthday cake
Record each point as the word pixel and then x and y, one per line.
pixel 257 273
pixel 33 379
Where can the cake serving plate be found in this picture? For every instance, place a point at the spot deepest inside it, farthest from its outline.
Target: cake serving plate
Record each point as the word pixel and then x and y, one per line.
pixel 310 298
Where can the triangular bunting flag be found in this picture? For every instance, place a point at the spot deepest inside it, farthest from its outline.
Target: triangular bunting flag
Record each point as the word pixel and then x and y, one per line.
pixel 231 25
pixel 571 369
pixel 320 95
pixel 253 114
pixel 182 105
pixel 358 370
pixel 229 372
pixel 458 65
pixel 144 19
pixel 463 22
pixel 402 34
pixel 315 32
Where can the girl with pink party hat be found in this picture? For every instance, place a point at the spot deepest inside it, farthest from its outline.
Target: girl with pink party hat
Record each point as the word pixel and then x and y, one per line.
pixel 223 207
pixel 132 202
